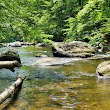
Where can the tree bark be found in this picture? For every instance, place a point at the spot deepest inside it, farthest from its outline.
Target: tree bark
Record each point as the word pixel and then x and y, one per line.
pixel 9 64
pixel 10 90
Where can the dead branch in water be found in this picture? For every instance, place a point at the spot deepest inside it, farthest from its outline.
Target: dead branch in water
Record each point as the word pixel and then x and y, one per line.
pixel 10 90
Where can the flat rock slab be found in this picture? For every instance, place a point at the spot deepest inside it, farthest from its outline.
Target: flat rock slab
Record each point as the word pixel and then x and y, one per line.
pixel 52 61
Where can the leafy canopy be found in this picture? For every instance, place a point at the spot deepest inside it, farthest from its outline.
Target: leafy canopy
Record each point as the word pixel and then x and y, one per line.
pixel 57 20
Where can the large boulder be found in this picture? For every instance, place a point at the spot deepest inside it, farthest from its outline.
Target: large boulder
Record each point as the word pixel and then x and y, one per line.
pixel 72 49
pixel 10 55
pixel 103 70
pixel 9 59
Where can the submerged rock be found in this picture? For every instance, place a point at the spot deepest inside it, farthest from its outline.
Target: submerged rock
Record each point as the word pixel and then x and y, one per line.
pixel 72 49
pixel 103 70
pixel 40 55
pixel 7 74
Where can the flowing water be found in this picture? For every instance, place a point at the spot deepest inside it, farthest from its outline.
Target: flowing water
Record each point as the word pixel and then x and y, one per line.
pixel 67 87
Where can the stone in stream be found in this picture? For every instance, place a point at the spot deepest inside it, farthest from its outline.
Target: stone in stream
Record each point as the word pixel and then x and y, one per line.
pixel 10 55
pixel 103 70
pixel 18 44
pixel 7 74
pixel 53 61
pixel 40 55
pixel 9 59
pixel 14 44
pixel 72 49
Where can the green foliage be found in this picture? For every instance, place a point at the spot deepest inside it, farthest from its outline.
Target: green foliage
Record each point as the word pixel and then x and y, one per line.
pixel 23 20
pixel 91 23
pixel 34 20
pixel 58 20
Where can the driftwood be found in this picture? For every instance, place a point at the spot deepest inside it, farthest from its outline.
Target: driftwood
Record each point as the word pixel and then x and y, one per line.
pixel 9 64
pixel 10 90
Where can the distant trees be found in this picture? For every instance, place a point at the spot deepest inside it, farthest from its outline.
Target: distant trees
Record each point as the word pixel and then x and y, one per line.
pixel 58 20
pixel 23 20
pixel 91 24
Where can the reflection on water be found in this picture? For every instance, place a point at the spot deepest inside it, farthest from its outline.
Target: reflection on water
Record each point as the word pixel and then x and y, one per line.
pixel 67 87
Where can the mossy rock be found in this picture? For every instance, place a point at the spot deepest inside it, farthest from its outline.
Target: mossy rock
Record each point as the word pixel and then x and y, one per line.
pixel 72 49
pixel 10 55
pixel 103 70
pixel 40 55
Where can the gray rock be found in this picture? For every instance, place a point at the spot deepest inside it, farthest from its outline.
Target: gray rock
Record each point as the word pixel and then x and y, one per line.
pixel 14 44
pixel 18 44
pixel 10 55
pixel 103 70
pixel 53 61
pixel 72 49
pixel 40 55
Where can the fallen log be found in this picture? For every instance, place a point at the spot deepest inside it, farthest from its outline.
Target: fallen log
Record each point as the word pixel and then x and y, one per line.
pixel 10 90
pixel 9 64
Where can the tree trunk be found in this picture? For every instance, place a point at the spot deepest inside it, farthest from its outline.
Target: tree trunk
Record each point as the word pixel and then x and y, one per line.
pixel 10 90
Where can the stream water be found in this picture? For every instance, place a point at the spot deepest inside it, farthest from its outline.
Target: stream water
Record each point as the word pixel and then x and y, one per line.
pixel 67 87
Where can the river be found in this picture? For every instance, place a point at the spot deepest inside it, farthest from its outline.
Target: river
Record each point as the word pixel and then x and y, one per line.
pixel 64 87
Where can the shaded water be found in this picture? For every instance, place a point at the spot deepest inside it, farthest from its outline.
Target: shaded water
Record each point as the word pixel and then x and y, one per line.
pixel 67 87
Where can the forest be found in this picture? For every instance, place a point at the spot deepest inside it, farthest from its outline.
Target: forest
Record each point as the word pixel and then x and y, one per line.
pixel 45 21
